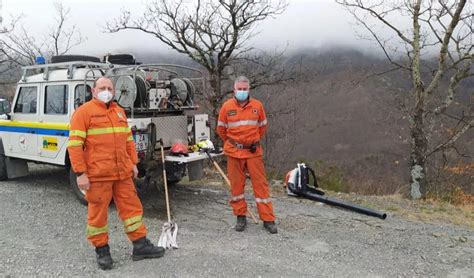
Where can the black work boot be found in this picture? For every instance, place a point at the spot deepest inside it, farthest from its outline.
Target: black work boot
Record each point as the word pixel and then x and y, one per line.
pixel 241 223
pixel 144 249
pixel 104 260
pixel 270 227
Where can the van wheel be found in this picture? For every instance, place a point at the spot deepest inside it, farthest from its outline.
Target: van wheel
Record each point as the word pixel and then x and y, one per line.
pixel 3 168
pixel 173 182
pixel 80 194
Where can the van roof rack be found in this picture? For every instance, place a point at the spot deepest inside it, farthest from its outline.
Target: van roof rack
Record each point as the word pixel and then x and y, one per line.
pixel 70 66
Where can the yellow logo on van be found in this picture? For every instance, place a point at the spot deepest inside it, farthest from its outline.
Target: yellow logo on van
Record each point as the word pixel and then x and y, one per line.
pixel 50 143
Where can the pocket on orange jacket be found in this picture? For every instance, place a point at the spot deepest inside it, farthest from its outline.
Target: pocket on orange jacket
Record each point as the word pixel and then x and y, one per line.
pixel 98 121
pixel 100 165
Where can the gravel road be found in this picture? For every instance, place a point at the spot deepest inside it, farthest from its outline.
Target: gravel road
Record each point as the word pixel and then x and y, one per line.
pixel 43 234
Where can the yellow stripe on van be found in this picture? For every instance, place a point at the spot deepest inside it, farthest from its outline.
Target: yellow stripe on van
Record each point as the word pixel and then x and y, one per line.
pixel 18 123
pixel 60 126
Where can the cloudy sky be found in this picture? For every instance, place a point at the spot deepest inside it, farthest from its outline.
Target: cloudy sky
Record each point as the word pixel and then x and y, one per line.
pixel 306 23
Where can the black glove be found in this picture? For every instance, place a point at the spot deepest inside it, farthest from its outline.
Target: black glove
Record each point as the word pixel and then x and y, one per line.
pixel 253 148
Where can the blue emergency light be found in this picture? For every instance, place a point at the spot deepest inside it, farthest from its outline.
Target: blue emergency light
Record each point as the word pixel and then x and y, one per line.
pixel 40 60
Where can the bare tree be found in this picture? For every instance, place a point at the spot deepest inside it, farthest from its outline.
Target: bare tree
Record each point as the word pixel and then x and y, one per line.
pixel 214 34
pixel 20 47
pixel 439 27
pixel 62 37
pixel 5 62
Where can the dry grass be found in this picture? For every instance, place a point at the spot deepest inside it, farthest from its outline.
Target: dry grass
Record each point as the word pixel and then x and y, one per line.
pixel 427 211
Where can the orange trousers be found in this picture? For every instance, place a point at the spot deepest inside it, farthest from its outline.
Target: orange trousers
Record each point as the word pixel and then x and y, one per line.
pixel 129 208
pixel 236 170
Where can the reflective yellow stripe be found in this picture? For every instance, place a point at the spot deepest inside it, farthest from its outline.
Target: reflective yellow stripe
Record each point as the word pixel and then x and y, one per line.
pixel 262 200
pixel 240 123
pixel 133 227
pixel 130 138
pixel 75 143
pixel 93 231
pixel 238 197
pixel 133 223
pixel 132 220
pixel 78 133
pixel 107 130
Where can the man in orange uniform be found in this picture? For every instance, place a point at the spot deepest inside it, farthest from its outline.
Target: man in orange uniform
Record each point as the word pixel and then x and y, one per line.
pixel 103 155
pixel 241 125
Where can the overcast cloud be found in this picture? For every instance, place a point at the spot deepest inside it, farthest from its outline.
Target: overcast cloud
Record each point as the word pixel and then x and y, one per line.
pixel 306 23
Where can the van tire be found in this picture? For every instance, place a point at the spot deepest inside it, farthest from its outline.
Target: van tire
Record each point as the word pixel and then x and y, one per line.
pixel 141 91
pixel 3 168
pixel 81 197
pixel 120 59
pixel 172 182
pixel 72 58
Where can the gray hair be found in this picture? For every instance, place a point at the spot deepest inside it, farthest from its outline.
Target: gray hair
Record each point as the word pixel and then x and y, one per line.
pixel 241 79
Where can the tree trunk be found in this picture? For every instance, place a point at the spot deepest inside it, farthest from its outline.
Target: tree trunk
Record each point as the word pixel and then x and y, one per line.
pixel 216 103
pixel 419 140
pixel 418 181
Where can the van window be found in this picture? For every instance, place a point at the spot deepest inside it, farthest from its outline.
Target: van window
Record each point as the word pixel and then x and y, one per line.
pixel 55 99
pixel 4 108
pixel 80 96
pixel 26 100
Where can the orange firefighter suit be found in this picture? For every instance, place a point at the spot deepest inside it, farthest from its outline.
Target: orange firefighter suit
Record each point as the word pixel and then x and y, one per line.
pixel 102 146
pixel 240 127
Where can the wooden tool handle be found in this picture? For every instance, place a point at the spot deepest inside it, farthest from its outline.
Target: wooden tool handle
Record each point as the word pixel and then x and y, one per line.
pixel 165 180
pixel 230 186
pixel 222 174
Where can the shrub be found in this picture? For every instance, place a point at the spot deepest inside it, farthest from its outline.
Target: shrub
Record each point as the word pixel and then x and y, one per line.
pixel 330 177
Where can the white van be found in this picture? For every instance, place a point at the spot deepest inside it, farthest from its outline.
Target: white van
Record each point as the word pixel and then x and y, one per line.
pixel 159 105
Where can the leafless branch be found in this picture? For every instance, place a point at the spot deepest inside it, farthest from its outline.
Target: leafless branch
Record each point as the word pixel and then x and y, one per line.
pixel 215 34
pixel 453 138
pixel 20 47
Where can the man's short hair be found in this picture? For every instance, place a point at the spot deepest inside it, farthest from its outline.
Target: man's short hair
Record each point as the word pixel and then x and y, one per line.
pixel 97 79
pixel 242 79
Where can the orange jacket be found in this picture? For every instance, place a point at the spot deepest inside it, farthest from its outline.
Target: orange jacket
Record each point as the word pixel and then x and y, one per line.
pixel 101 143
pixel 244 125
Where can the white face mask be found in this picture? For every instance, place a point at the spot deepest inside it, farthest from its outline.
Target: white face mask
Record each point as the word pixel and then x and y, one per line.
pixel 105 96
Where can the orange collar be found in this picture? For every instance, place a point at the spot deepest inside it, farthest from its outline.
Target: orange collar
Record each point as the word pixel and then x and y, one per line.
pixel 242 106
pixel 112 104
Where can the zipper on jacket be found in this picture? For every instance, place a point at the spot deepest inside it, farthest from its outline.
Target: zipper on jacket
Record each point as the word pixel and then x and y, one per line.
pixel 115 143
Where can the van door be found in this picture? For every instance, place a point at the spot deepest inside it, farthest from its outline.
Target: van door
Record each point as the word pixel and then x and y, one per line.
pixel 53 126
pixel 23 127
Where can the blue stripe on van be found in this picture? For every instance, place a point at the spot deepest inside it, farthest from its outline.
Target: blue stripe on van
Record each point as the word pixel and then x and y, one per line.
pixel 41 131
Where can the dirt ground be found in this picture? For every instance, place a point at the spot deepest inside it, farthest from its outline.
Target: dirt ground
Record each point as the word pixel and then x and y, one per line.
pixel 43 234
